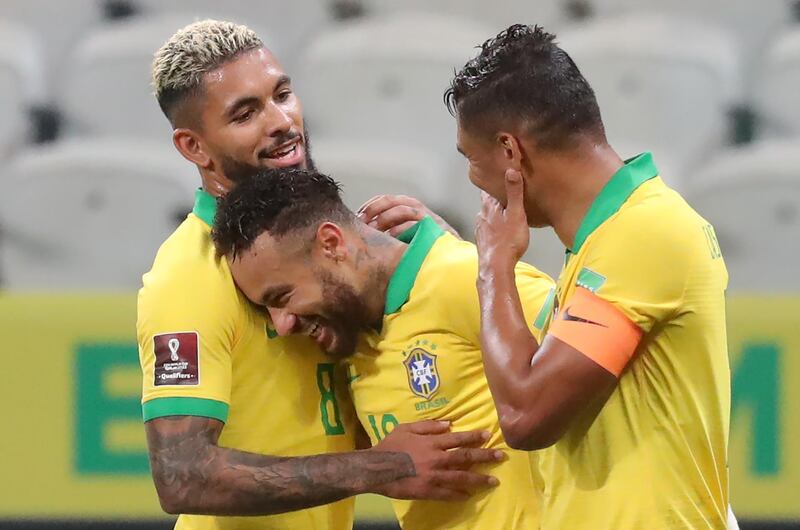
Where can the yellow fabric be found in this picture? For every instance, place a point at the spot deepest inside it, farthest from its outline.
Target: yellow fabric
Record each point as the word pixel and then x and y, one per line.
pixel 442 317
pixel 269 384
pixel 656 455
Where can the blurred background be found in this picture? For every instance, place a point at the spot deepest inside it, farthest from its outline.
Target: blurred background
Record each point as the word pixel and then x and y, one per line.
pixel 91 185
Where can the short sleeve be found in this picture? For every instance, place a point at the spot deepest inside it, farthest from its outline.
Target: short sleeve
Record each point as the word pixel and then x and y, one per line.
pixel 639 268
pixel 537 294
pixel 186 330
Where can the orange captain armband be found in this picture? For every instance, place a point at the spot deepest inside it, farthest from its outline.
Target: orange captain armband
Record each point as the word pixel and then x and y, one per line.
pixel 597 329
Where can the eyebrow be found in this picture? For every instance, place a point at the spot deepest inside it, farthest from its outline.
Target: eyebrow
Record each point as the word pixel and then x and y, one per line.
pixel 273 292
pixel 245 101
pixel 241 103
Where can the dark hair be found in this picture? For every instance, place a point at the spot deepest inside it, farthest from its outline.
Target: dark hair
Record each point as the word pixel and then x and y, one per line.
pixel 522 75
pixel 278 201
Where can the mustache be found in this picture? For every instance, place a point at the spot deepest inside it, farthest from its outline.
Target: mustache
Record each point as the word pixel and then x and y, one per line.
pixel 281 139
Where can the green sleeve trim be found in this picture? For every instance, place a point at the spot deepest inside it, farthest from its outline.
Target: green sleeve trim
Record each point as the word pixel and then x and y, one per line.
pixel 589 279
pixel 185 406
pixel 547 308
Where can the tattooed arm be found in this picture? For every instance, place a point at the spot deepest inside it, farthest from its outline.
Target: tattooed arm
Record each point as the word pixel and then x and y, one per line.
pixel 419 460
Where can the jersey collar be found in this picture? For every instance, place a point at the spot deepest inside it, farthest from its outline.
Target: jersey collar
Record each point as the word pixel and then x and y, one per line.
pixel 205 206
pixel 420 239
pixel 634 173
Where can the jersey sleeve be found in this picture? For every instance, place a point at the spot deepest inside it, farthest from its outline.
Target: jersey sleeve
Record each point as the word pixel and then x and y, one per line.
pixel 186 331
pixel 632 279
pixel 640 270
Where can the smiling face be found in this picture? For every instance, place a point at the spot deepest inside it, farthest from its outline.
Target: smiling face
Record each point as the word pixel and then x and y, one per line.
pixel 314 288
pixel 250 117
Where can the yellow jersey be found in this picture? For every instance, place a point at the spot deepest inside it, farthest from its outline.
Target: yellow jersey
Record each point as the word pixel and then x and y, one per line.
pixel 426 364
pixel 206 351
pixel 656 455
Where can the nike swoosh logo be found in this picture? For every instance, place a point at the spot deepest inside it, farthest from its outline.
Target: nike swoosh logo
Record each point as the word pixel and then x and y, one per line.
pixel 573 318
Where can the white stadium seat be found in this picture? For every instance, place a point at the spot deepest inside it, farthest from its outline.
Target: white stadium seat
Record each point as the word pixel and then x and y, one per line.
pixel 369 168
pixel 21 84
pixel 752 21
pixel 752 197
pixel 497 14
pixel 384 78
pixel 59 24
pixel 287 25
pixel 108 90
pixel 663 84
pixel 90 214
pixel 777 94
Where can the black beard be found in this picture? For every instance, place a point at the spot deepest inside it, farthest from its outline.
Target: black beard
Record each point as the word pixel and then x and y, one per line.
pixel 238 171
pixel 347 313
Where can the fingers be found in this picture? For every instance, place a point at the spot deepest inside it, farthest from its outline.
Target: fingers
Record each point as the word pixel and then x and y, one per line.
pixel 396 217
pixel 426 427
pixel 464 458
pixel 452 440
pixel 514 193
pixel 381 203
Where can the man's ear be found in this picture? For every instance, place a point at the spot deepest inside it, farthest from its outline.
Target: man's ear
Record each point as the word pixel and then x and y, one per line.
pixel 191 147
pixel 512 150
pixel 330 242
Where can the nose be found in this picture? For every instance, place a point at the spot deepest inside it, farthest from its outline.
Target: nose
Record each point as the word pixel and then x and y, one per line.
pixel 284 321
pixel 278 120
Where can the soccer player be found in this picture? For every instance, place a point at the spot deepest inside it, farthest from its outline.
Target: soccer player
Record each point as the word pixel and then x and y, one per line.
pixel 629 392
pixel 295 248
pixel 225 400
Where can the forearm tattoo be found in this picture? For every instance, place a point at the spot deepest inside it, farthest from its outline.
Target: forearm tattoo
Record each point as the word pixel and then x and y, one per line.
pixel 193 475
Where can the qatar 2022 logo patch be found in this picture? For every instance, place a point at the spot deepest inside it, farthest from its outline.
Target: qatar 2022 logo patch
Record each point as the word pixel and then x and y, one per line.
pixel 423 376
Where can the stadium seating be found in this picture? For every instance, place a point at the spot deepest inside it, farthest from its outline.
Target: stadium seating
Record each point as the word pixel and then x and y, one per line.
pixel 752 197
pixel 384 77
pixel 663 84
pixel 752 22
pixel 108 90
pixel 497 14
pixel 90 214
pixel 58 24
pixel 777 95
pixel 21 84
pixel 286 27
pixel 369 168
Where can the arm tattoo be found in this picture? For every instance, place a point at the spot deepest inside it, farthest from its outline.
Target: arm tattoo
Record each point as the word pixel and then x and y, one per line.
pixel 193 475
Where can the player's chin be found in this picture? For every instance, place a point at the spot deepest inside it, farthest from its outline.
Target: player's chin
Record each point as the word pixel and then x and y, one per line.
pixel 341 346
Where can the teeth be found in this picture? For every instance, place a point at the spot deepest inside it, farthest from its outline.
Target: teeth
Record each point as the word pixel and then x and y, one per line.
pixel 282 154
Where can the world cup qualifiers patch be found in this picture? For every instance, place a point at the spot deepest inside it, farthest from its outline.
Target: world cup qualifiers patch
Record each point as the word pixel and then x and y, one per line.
pixel 177 358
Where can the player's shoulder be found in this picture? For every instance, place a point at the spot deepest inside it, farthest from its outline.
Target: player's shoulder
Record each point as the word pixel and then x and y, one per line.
pixel 655 219
pixel 450 263
pixel 186 265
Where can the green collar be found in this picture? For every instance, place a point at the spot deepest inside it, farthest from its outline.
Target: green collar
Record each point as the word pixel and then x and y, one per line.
pixel 420 239
pixel 633 174
pixel 205 206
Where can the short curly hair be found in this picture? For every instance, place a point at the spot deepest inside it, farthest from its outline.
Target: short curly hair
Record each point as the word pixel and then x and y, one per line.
pixel 278 201
pixel 201 47
pixel 523 75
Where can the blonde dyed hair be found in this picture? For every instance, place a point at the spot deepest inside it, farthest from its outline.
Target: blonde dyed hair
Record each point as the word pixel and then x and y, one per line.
pixel 201 47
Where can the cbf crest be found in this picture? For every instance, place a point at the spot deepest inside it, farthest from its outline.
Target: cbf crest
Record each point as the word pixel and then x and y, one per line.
pixel 423 376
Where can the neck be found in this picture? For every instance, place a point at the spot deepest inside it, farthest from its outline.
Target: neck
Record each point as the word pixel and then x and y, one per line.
pixel 573 181
pixel 383 254
pixel 215 184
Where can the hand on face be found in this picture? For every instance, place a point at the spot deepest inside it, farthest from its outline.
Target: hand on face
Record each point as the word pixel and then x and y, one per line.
pixel 502 234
